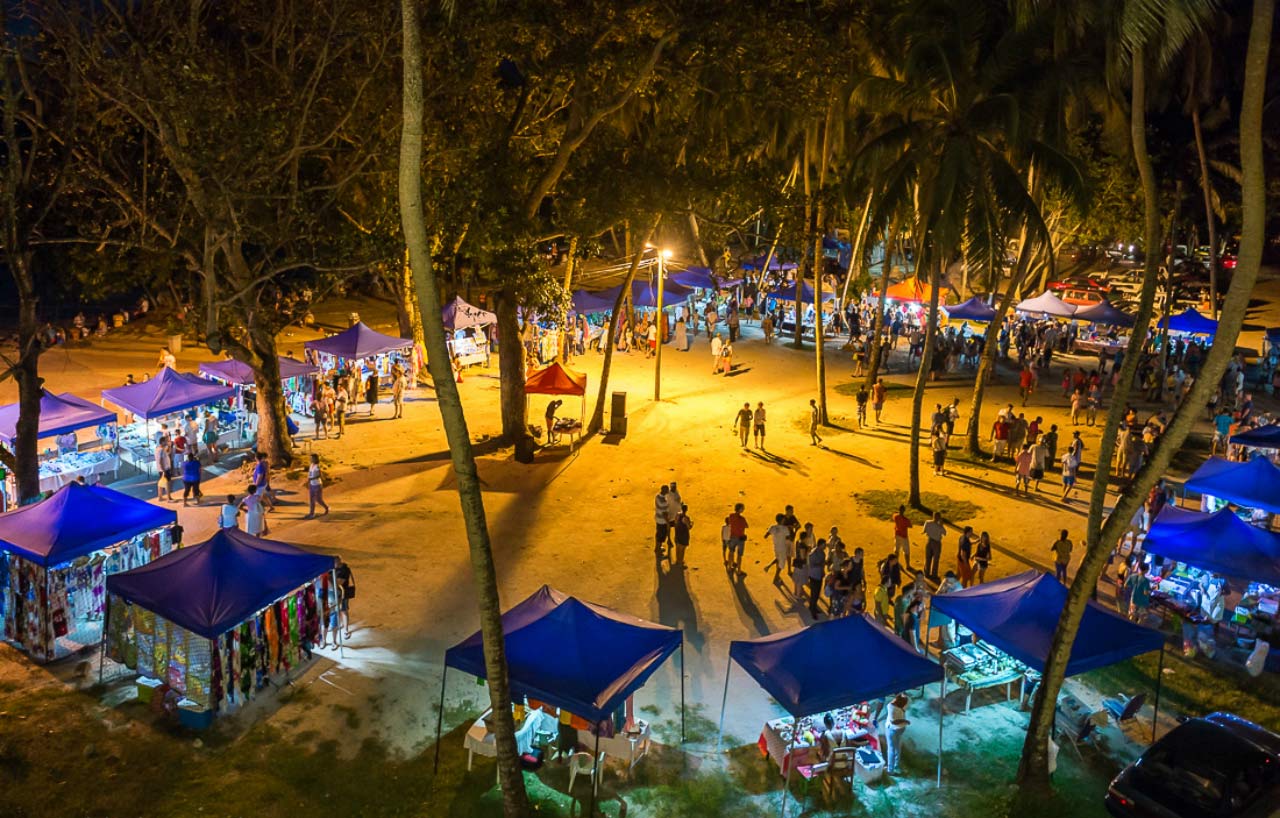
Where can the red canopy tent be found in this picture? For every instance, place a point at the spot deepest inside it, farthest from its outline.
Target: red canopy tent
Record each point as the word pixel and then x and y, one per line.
pixel 912 290
pixel 556 380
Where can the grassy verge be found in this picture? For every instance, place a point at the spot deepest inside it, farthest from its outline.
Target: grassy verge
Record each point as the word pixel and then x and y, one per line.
pixel 883 504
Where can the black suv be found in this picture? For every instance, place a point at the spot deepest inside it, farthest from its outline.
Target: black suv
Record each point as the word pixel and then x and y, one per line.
pixel 1220 766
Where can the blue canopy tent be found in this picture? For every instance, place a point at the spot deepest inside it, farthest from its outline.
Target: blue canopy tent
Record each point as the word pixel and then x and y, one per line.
pixel 1262 437
pixel 358 341
pixel 584 658
pixel 74 522
pixel 59 414
pixel 795 667
pixel 1104 313
pixel 458 314
pixel 775 264
pixel 167 393
pixel 975 309
pixel 643 294
pixel 788 293
pixel 587 303
pixel 1019 615
pixel 1220 542
pixel 695 277
pixel 1193 323
pixel 238 373
pixel 1252 484
pixel 212 587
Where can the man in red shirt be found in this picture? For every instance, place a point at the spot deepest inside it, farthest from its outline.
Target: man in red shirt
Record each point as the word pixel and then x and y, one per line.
pixel 901 543
pixel 1026 383
pixel 1000 434
pixel 737 537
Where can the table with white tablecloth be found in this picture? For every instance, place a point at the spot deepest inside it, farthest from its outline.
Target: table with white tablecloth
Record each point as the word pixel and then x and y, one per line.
pixel 65 469
pixel 540 728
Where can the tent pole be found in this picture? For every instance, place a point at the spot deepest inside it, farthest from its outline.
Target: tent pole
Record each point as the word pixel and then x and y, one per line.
pixel 595 773
pixel 444 674
pixel 682 690
pixel 342 643
pixel 724 701
pixel 1155 713
pixel 106 632
pixel 928 632
pixel 942 708
pixel 790 762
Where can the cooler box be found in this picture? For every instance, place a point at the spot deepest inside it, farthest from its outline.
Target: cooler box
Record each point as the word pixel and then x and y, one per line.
pixel 147 688
pixel 869 765
pixel 193 715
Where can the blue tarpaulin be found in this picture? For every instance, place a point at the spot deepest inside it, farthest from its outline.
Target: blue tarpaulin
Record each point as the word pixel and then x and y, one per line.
pixel 833 664
pixel 168 392
pixel 1263 437
pixel 774 264
pixel 1192 322
pixel 1252 484
pixel 212 587
pixel 587 303
pixel 238 373
pixel 1220 542
pixel 1019 614
pixel 697 277
pixel 358 341
pixel 59 414
pixel 1104 313
pixel 787 292
pixel 78 520
pixel 975 309
pixel 584 658
pixel 643 294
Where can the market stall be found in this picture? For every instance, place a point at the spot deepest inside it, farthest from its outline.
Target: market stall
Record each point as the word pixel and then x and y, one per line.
pixel 465 326
pixel 371 351
pixel 296 377
pixel 1191 322
pixel 786 295
pixel 1012 621
pixel 695 278
pixel 214 622
pixel 166 398
pixel 1253 484
pixel 775 264
pixel 584 661
pixel 1048 305
pixel 1203 547
pixel 975 309
pixel 61 416
pixel 55 556
pixel 556 380
pixel 796 669
pixel 1260 437
pixel 913 291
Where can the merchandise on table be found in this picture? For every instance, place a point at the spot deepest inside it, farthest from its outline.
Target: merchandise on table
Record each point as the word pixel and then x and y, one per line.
pixel 786 740
pixel 978 665
pixel 62 469
pixel 469 346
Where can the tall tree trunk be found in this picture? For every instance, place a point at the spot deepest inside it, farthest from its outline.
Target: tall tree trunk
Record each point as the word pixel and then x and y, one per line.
pixel 408 312
pixel 857 260
pixel 597 416
pixel 819 335
pixel 1167 310
pixel 922 377
pixel 876 357
pixel 1033 770
pixel 1210 222
pixel 568 285
pixel 511 366
pixel 515 801
pixel 273 430
pixel 697 237
pixel 26 449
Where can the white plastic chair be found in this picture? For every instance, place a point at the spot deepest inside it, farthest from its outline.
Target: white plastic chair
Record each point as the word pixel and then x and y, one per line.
pixel 581 763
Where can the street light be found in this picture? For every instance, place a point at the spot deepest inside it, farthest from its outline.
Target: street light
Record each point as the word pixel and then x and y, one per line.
pixel 663 255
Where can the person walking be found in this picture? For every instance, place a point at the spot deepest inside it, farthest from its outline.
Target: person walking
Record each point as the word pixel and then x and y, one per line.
pixel 164 470
pixel 1138 588
pixel 901 542
pixel 938 443
pixel 779 536
pixel 674 504
pixel 814 418
pixel 964 557
pixel 878 394
pixel 191 478
pixel 816 574
pixel 262 479
pixel 660 518
pixel 982 556
pixel 340 400
pixel 371 391
pixel 737 537
pixel 1069 466
pixel 315 487
pixel 726 358
pixel 1022 463
pixel 742 423
pixel 891 573
pixel 320 414
pixel 255 517
pixel 346 593
pixel 683 525
pixel 861 398
pixel 934 531
pixel 682 334
pixel 717 346
pixel 758 425
pixel 1061 549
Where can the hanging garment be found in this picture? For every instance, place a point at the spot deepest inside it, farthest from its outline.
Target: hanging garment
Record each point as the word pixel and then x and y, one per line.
pixel 215 676
pixel 271 624
pixel 246 658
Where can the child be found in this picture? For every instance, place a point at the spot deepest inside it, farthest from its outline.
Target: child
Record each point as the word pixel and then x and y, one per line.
pixel 229 517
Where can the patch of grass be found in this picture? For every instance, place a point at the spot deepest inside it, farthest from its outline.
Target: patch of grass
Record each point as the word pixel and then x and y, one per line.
pixel 353 715
pixel 1195 686
pixel 698 728
pixel 836 424
pixel 882 504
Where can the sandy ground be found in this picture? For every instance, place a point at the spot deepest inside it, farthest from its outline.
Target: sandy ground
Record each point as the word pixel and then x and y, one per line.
pixel 582 523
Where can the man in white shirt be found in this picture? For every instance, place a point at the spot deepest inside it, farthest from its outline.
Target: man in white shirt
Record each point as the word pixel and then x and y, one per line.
pixel 660 501
pixel 229 516
pixel 674 504
pixel 780 535
pixel 716 346
pixel 934 531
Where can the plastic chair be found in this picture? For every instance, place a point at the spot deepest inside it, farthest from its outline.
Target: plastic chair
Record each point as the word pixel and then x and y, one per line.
pixel 1122 708
pixel 840 766
pixel 581 763
pixel 1076 737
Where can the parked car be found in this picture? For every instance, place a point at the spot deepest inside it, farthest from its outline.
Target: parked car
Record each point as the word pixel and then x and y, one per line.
pixel 1220 766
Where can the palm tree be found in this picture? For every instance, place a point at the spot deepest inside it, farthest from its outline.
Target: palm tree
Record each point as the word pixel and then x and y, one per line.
pixel 515 800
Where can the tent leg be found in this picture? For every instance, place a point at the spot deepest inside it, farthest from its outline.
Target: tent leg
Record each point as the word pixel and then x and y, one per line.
pixel 682 691
pixel 928 632
pixel 1155 713
pixel 942 708
pixel 106 633
pixel 333 577
pixel 724 701
pixel 595 773
pixel 786 779
pixel 444 674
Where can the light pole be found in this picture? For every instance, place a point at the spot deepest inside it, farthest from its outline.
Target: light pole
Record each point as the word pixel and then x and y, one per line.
pixel 663 255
